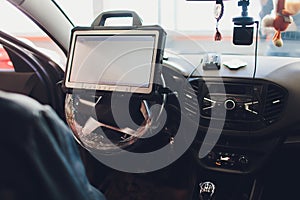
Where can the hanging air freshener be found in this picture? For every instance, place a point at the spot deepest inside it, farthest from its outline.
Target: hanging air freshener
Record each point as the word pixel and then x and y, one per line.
pixel 219 9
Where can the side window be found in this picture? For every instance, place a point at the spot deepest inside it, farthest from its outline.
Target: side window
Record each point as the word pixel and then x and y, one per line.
pixel 15 23
pixel 5 62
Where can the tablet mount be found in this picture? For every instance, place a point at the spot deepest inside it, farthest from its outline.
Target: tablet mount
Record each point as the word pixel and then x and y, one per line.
pixel 107 121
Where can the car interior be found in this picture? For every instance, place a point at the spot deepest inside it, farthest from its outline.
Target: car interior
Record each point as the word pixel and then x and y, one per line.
pixel 134 115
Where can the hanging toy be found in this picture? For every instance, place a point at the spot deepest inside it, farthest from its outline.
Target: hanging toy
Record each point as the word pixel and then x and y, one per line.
pixel 282 20
pixel 219 10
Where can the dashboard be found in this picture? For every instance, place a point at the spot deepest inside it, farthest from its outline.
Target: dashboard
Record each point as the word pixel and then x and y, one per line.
pixel 256 111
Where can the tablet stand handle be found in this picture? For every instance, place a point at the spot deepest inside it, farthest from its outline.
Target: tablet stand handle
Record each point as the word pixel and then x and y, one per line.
pixel 100 20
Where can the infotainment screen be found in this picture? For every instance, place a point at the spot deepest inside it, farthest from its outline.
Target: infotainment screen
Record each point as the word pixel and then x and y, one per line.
pixel 112 60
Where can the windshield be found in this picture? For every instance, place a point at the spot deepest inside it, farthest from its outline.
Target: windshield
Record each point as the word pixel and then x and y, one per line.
pixel 191 25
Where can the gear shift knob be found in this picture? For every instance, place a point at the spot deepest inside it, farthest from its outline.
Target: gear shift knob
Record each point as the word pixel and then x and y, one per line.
pixel 207 190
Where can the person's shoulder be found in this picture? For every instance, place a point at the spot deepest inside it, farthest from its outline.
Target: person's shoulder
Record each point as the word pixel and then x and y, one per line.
pixel 24 106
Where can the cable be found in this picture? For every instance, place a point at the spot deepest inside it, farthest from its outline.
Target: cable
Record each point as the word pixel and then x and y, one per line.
pixel 255 69
pixel 256 49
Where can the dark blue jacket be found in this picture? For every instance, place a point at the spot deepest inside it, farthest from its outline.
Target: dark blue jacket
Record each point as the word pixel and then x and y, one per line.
pixel 39 159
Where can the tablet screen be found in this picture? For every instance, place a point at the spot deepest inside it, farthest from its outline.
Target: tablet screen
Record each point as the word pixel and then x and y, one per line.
pixel 112 60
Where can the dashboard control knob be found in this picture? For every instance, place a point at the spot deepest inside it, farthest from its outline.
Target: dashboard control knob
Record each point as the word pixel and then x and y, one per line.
pixel 229 104
pixel 243 160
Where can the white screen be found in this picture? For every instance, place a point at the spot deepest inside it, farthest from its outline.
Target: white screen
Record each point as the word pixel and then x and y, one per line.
pixel 113 60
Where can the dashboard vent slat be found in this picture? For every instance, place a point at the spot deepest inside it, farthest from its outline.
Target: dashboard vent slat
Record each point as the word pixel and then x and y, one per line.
pixel 274 103
pixel 190 104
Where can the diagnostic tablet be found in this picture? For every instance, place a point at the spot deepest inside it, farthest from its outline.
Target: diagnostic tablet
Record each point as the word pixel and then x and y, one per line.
pixel 113 60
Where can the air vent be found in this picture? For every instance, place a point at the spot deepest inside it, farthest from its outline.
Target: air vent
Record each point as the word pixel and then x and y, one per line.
pixel 190 104
pixel 274 103
pixel 195 85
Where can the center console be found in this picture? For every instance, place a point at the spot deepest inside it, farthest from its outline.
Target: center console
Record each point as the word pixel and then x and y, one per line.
pixel 248 109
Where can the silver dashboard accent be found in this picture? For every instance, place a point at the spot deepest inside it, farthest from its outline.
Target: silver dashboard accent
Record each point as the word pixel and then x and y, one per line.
pixel 213 103
pixel 247 107
pixel 276 101
pixel 229 104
